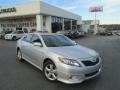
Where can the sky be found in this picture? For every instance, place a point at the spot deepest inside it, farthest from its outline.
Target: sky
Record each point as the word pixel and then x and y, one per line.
pixel 110 14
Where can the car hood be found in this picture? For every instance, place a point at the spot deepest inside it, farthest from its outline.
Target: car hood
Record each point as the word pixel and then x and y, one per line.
pixel 74 52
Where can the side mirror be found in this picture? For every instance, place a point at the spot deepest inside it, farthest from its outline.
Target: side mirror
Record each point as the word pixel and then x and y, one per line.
pixel 37 44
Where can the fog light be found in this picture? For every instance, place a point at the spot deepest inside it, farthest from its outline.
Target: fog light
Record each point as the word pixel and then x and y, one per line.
pixel 75 77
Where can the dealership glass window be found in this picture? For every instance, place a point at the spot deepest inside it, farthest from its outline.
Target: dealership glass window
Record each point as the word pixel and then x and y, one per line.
pixel 67 24
pixel 74 22
pixel 56 19
pixel 26 22
pixel 59 20
pixel 73 27
pixel 53 19
pixel 79 27
pixel 56 24
pixel 44 20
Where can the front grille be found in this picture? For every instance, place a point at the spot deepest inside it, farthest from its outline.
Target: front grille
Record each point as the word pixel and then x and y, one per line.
pixel 90 63
pixel 91 74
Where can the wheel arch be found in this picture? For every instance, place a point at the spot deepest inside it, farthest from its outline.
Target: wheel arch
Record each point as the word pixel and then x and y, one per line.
pixel 17 49
pixel 13 36
pixel 46 60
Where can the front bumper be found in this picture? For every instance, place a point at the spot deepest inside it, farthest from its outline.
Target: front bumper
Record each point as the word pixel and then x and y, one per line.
pixel 8 37
pixel 72 75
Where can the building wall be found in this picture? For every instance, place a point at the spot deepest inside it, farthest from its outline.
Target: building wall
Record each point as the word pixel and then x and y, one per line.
pixel 55 11
pixel 85 28
pixel 23 10
pixel 37 9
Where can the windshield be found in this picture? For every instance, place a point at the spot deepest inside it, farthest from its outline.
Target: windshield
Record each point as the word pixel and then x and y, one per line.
pixel 57 41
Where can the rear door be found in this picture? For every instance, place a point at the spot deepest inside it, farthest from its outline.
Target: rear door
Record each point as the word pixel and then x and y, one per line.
pixel 26 46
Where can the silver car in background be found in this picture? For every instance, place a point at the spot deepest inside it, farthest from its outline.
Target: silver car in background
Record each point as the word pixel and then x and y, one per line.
pixel 59 57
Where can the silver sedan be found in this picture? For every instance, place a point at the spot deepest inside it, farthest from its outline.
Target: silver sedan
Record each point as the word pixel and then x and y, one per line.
pixel 59 57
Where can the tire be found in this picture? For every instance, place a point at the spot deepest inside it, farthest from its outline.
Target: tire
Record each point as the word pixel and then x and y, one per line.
pixel 50 71
pixel 19 55
pixel 14 38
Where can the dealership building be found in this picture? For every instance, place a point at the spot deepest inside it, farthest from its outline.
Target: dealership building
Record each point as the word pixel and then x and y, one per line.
pixel 37 16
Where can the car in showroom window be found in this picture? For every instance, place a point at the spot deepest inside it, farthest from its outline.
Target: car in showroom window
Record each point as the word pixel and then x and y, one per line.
pixel 59 57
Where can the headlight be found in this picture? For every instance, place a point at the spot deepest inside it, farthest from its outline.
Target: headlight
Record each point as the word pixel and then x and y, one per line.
pixel 69 62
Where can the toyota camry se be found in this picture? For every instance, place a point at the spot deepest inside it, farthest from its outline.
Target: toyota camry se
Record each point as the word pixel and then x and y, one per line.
pixel 59 57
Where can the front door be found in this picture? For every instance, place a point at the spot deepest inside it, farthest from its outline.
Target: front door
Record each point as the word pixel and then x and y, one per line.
pixel 37 52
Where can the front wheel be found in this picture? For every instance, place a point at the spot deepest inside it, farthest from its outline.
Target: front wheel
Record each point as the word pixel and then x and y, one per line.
pixel 14 38
pixel 50 71
pixel 19 55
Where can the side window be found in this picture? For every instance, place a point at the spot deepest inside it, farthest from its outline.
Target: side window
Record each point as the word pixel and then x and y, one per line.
pixel 28 38
pixel 36 38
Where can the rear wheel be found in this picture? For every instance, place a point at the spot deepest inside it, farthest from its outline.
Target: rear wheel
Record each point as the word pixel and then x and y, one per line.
pixel 50 71
pixel 19 55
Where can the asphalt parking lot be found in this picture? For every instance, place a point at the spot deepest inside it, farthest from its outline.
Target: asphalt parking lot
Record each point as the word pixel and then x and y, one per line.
pixel 15 75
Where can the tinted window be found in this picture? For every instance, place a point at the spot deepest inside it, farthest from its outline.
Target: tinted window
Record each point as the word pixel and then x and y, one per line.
pixel 57 41
pixel 28 38
pixel 36 38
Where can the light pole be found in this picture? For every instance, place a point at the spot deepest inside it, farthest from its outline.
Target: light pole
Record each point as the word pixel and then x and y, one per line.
pixel 95 10
pixel 95 24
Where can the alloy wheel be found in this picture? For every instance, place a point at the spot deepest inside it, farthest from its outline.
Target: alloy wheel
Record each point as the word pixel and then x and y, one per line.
pixel 19 55
pixel 14 38
pixel 50 72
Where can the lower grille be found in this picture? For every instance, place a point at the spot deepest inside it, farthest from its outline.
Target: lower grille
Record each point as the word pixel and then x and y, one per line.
pixel 91 74
pixel 90 63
